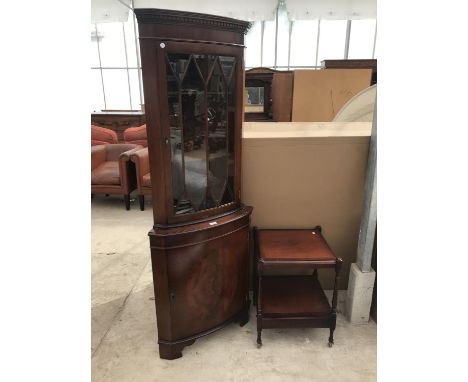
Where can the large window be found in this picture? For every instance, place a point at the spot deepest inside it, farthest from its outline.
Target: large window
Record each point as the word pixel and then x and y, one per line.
pixel 279 44
pixel 332 40
pixel 253 44
pixel 305 43
pixel 361 43
pixel 114 65
pixel 269 32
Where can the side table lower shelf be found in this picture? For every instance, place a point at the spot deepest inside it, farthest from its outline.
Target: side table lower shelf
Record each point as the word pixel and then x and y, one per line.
pixel 293 301
pixel 286 295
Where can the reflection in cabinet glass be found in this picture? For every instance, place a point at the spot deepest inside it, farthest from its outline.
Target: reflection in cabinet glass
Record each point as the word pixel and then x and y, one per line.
pixel 201 106
pixel 193 69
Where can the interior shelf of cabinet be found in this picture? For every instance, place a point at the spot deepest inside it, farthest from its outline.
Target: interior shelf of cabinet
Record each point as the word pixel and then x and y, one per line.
pixel 293 296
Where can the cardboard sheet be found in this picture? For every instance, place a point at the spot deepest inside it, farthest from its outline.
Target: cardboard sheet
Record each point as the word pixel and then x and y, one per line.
pixel 319 94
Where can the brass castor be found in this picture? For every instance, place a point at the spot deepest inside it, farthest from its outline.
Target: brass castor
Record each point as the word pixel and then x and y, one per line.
pixel 330 344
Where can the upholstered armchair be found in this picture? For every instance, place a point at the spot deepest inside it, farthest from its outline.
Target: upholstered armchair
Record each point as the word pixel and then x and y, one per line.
pixel 136 135
pixel 102 136
pixel 143 176
pixel 112 171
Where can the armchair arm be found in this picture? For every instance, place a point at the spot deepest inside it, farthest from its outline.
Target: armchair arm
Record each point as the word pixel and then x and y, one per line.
pixel 127 172
pixel 98 156
pixel 141 160
pixel 126 155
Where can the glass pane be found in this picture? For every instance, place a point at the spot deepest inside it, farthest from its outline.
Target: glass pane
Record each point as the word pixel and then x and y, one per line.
pixel 201 111
pixel 175 125
pixel 303 43
pixel 332 40
pixel 96 97
pixel 228 66
pixel 116 88
pixel 134 89
pixel 130 41
pixel 111 44
pixel 255 100
pixel 179 64
pixel 217 135
pixel 229 193
pixel 193 98
pixel 269 43
pixel 361 40
pixel 142 93
pixel 376 43
pixel 205 63
pixel 253 45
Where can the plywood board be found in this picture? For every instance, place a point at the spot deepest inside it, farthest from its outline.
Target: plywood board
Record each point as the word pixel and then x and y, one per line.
pixel 281 94
pixel 319 94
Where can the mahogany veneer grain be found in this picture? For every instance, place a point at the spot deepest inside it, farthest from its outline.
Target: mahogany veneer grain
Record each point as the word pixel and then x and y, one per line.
pixel 293 296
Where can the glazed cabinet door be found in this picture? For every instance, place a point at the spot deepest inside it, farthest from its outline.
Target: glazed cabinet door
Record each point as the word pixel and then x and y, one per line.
pixel 203 105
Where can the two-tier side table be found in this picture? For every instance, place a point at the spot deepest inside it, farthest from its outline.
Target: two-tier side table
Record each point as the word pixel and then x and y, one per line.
pixel 286 286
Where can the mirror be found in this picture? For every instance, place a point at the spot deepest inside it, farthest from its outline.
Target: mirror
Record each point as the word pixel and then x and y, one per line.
pixel 255 101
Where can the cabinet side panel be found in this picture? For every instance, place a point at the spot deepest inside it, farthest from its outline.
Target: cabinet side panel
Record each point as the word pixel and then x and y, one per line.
pixel 281 93
pixel 160 283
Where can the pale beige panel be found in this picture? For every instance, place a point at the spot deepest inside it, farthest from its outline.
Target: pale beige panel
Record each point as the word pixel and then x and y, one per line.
pixel 305 129
pixel 319 94
pixel 307 181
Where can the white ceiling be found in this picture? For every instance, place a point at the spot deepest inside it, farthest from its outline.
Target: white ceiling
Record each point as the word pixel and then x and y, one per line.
pixel 250 10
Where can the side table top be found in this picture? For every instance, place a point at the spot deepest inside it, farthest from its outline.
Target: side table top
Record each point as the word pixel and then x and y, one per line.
pixel 294 245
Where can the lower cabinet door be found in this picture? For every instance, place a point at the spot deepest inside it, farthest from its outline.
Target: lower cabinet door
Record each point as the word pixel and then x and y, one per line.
pixel 208 282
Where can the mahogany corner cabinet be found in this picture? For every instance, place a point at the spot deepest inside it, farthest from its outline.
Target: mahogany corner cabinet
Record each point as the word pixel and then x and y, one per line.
pixel 193 79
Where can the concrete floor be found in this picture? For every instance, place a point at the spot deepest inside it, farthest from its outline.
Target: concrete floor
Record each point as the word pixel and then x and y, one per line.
pixel 124 335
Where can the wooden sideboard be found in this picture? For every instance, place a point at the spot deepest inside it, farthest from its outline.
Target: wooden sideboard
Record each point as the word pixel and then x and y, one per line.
pixel 118 121
pixel 278 85
pixel 353 64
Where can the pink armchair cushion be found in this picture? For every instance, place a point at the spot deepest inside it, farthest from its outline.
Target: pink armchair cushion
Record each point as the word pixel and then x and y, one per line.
pixel 106 173
pixel 146 180
pixel 136 135
pixel 102 136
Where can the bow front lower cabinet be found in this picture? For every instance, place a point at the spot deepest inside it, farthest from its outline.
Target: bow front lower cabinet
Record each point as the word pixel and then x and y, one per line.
pixel 193 79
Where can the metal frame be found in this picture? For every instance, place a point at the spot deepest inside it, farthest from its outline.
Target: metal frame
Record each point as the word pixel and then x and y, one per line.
pixel 100 66
pixel 375 40
pixel 261 42
pixel 291 25
pixel 126 5
pixel 318 44
pixel 347 39
pixel 276 34
pixel 126 63
pixel 126 67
